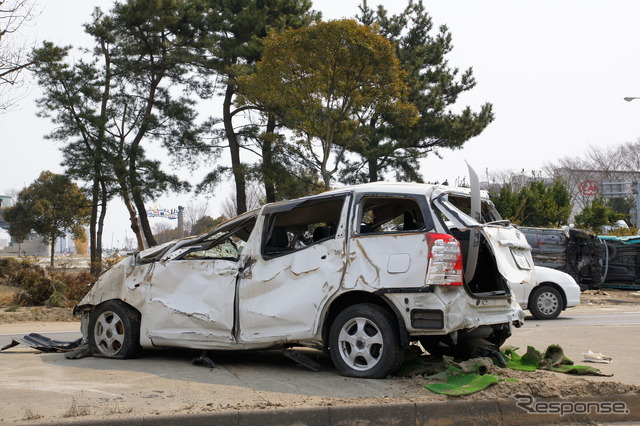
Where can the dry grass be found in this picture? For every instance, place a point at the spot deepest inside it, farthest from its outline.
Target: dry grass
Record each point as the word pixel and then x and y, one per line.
pixel 119 410
pixel 7 295
pixel 30 415
pixel 77 410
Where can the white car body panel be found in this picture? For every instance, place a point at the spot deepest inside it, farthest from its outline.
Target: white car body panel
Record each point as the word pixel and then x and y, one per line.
pixel 549 276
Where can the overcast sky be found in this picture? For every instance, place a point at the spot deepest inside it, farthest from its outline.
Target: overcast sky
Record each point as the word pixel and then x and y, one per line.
pixel 556 73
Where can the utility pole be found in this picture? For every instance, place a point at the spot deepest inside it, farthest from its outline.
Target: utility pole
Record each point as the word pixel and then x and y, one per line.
pixel 637 192
pixel 180 221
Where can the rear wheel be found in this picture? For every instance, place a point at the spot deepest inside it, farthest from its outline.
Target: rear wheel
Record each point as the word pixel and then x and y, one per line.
pixel 114 330
pixel 546 303
pixel 364 342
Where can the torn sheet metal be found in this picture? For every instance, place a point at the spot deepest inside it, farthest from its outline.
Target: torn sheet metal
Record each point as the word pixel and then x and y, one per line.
pixel 43 343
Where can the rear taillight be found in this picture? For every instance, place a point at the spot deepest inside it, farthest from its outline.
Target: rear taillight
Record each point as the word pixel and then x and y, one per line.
pixel 445 260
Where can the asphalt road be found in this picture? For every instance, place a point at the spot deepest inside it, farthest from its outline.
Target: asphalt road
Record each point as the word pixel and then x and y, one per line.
pixel 165 382
pixel 567 319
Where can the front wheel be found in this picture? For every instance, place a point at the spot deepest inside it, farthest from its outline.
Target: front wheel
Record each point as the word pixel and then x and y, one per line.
pixel 546 303
pixel 114 330
pixel 364 342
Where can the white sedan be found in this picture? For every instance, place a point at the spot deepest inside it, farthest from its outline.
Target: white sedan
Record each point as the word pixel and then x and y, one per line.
pixel 555 291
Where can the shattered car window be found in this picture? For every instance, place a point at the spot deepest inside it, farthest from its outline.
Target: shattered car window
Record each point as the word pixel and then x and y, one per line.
pixel 301 226
pixel 226 244
pixel 228 248
pixel 390 214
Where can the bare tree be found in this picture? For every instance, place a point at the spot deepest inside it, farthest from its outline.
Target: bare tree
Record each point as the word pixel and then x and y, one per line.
pixel 164 232
pixel 584 174
pixel 193 213
pixel 13 53
pixel 517 180
pixel 254 198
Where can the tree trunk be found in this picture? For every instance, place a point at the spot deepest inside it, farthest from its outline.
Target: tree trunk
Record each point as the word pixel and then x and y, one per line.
pixel 267 161
pixel 144 220
pixel 93 242
pixel 136 196
pixel 103 214
pixel 53 251
pixel 373 169
pixel 96 258
pixel 234 149
pixel 133 218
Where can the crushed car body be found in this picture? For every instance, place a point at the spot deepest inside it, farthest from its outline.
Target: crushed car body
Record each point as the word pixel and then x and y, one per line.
pixel 621 261
pixel 574 251
pixel 361 271
pixel 594 261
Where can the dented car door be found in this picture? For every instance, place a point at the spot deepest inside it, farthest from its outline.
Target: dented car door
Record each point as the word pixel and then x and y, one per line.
pixel 388 247
pixel 193 289
pixel 292 270
pixel 191 301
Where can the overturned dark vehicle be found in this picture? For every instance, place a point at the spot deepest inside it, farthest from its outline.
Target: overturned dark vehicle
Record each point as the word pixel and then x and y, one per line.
pixel 574 251
pixel 593 261
pixel 622 261
pixel 360 271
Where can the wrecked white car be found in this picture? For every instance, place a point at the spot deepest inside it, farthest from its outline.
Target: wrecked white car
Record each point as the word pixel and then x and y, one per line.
pixel 361 271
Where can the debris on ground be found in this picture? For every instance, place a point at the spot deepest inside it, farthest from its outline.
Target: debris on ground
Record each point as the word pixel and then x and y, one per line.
pixel 596 357
pixel 476 374
pixel 301 359
pixel 82 351
pixel 553 359
pixel 465 378
pixel 43 343
pixel 204 360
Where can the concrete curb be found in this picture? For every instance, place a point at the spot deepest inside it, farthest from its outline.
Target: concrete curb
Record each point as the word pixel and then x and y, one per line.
pixel 602 408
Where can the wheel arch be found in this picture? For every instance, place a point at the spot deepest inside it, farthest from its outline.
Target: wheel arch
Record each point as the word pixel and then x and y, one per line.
pixel 355 297
pixel 118 335
pixel 89 307
pixel 554 286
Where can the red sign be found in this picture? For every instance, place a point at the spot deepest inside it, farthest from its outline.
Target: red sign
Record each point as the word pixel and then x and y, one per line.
pixel 589 187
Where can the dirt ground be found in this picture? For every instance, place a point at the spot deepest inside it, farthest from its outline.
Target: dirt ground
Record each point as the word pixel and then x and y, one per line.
pixel 397 389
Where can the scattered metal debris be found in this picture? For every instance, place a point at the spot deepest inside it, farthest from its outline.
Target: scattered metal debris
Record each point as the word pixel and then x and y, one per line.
pixel 301 359
pixel 204 360
pixel 43 344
